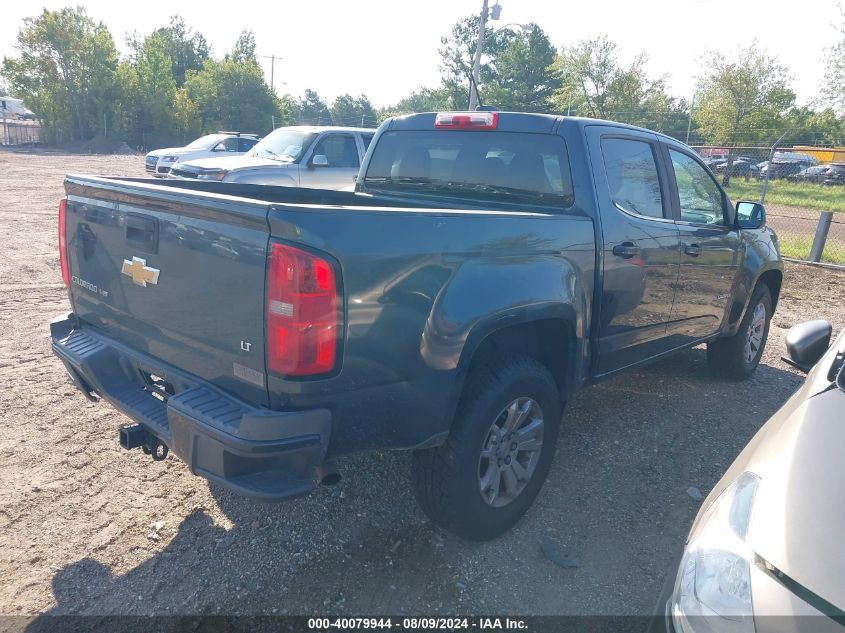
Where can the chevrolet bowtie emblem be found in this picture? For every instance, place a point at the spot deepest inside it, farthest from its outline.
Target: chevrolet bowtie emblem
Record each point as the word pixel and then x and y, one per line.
pixel 140 273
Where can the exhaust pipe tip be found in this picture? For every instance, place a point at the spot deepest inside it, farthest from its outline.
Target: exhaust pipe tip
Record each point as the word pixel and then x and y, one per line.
pixel 327 474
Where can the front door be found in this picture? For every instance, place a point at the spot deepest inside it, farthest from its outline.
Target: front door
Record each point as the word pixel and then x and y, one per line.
pixel 340 166
pixel 641 247
pixel 710 249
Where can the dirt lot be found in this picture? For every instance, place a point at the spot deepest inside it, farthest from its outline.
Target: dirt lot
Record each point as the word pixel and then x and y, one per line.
pixel 88 528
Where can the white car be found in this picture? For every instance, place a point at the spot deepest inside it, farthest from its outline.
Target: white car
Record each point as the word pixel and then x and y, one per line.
pixel 298 156
pixel 159 162
pixel 11 108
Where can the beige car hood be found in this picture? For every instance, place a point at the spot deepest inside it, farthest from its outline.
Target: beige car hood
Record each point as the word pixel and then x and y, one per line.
pixel 798 521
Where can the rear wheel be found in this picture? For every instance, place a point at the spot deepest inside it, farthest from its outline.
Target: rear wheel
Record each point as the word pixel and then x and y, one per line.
pixel 736 357
pixel 486 475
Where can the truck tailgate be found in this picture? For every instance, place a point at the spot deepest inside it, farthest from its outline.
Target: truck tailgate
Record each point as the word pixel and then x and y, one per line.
pixel 177 275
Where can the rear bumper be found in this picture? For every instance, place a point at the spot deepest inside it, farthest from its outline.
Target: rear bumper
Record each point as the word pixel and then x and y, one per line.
pixel 271 455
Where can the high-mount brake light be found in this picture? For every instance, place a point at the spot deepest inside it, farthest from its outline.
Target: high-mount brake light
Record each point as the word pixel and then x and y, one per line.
pixel 302 313
pixel 466 120
pixel 63 241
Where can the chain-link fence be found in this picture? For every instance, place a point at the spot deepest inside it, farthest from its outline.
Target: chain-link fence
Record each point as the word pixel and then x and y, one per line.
pixel 803 189
pixel 13 132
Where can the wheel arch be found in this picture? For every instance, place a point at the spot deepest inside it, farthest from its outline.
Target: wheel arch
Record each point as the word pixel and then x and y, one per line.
pixel 773 278
pixel 549 337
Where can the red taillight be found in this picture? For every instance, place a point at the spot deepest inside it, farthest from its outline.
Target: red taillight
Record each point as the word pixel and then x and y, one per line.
pixel 63 241
pixel 302 317
pixel 467 120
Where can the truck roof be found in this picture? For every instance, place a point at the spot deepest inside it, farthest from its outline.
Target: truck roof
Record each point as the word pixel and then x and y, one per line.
pixel 528 122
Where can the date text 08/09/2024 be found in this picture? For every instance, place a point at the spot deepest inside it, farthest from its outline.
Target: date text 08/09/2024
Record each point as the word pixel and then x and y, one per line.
pixel 416 624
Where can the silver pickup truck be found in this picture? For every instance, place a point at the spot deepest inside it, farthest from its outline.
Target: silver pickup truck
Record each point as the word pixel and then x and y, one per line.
pixel 302 156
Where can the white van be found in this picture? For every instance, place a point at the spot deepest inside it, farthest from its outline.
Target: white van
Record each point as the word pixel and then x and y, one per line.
pixel 11 108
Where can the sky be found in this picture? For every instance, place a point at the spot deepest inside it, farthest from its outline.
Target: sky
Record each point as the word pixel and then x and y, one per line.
pixel 386 49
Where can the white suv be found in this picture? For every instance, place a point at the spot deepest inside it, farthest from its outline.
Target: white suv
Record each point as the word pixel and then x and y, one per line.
pixel 161 161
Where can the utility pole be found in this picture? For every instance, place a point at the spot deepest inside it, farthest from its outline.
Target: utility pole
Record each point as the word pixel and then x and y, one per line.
pixel 689 123
pixel 476 62
pixel 769 167
pixel 272 59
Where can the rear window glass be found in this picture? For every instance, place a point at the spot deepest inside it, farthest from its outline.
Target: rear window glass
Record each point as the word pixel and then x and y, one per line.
pixel 632 176
pixel 474 164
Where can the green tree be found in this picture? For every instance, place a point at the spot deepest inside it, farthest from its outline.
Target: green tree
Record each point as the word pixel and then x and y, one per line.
pixel 187 49
pixel 833 87
pixel 312 110
pixel 185 115
pixel 742 99
pixel 146 94
pixel 355 111
pixel 65 72
pixel 523 76
pixel 457 51
pixel 232 94
pixel 595 84
pixel 422 100
pixel 244 50
pixel 810 127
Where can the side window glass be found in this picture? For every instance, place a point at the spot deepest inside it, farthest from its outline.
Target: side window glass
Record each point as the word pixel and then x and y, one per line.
pixel 340 150
pixel 231 144
pixel 700 197
pixel 367 138
pixel 246 144
pixel 632 176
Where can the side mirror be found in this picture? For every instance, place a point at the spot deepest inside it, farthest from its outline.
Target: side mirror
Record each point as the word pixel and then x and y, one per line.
pixel 806 343
pixel 750 215
pixel 319 160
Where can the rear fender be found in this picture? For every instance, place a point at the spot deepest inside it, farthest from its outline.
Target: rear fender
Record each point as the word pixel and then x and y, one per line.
pixel 487 295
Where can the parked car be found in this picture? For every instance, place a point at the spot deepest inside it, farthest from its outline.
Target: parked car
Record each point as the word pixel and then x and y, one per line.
pixel 776 169
pixel 835 174
pixel 299 156
pixel 161 161
pixel 765 551
pixel 815 174
pixel 795 157
pixel 487 266
pixel 741 166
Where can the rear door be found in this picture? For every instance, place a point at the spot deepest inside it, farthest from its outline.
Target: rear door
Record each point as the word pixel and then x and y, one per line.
pixel 641 246
pixel 174 274
pixel 342 155
pixel 710 247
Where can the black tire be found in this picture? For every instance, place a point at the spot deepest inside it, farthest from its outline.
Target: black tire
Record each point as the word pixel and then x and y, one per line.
pixel 727 357
pixel 446 479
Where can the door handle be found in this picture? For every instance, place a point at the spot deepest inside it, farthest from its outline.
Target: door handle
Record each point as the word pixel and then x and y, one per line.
pixel 626 250
pixel 142 232
pixel 693 250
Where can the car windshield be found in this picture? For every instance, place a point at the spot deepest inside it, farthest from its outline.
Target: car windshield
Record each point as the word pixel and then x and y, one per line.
pixel 284 145
pixel 527 168
pixel 206 142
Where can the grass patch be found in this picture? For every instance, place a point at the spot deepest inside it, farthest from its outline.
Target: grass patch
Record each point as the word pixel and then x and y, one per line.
pixel 790 194
pixel 798 247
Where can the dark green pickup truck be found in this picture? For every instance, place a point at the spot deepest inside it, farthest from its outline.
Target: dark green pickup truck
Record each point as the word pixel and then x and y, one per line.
pixel 486 267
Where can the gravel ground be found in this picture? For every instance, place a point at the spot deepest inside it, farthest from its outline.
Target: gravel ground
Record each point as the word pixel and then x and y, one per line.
pixel 88 528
